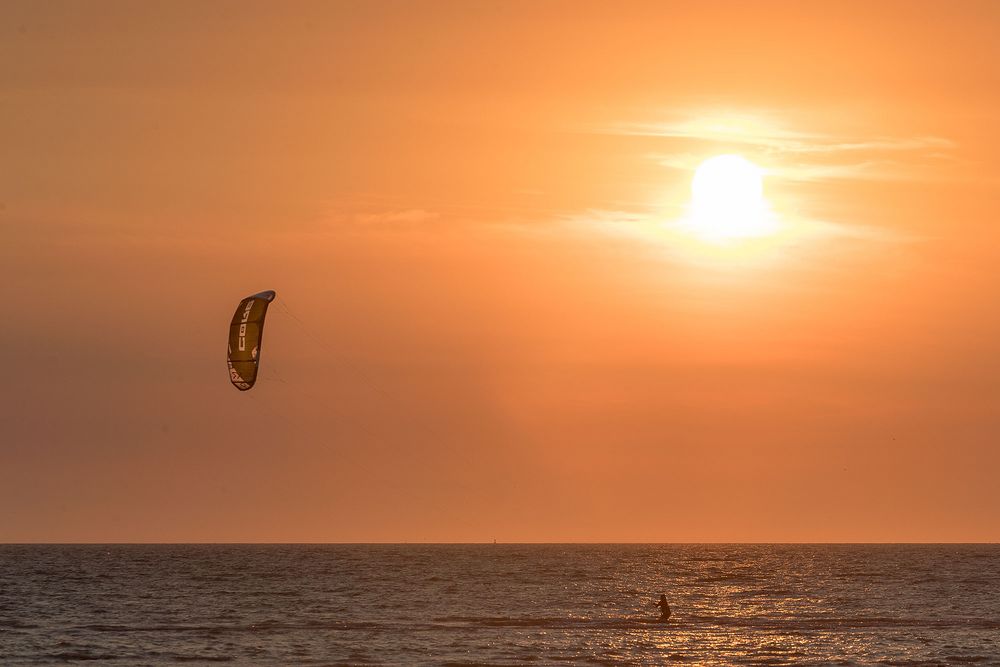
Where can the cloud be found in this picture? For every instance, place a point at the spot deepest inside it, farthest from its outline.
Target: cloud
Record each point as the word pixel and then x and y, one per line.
pixel 411 216
pixel 362 219
pixel 672 240
pixel 754 131
pixel 796 154
pixel 665 225
pixel 883 168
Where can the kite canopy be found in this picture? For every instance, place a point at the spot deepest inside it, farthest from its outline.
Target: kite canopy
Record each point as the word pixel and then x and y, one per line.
pixel 246 333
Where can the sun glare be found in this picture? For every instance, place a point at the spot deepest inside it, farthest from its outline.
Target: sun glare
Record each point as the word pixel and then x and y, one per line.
pixel 727 200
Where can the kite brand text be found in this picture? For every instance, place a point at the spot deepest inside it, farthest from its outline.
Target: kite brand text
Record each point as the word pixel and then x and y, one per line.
pixel 243 325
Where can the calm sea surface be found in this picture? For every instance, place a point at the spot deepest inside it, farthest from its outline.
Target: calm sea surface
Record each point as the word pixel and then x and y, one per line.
pixel 500 604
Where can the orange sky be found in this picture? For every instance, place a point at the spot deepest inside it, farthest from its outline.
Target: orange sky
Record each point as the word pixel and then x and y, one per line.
pixel 470 209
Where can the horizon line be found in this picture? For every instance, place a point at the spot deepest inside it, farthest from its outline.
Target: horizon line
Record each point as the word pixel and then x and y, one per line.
pixel 499 543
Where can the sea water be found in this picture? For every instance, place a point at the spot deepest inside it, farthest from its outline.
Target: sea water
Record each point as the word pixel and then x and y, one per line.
pixel 500 604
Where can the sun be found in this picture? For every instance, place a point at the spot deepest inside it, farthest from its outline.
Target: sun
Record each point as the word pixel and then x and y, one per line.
pixel 727 200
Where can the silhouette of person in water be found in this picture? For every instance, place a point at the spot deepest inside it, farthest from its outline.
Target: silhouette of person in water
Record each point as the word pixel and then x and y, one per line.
pixel 664 608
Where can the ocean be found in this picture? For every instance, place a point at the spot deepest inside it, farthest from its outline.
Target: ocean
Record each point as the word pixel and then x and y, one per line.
pixel 504 604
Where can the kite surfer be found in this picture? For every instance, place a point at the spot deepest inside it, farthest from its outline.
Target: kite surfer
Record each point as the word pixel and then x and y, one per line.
pixel 664 607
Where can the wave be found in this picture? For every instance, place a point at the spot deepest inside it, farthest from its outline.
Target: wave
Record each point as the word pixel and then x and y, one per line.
pixel 691 622
pixel 202 658
pixel 725 578
pixel 261 627
pixel 74 655
pixel 679 623
pixel 959 659
pixel 847 622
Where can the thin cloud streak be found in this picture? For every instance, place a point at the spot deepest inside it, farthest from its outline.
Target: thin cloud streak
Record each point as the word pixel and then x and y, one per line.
pixel 412 216
pixel 860 158
pixel 874 169
pixel 664 239
pixel 778 140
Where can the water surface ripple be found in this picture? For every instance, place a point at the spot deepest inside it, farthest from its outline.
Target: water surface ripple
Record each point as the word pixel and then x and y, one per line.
pixel 500 604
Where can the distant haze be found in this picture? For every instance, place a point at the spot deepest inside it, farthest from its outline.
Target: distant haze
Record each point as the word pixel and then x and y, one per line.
pixel 485 328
